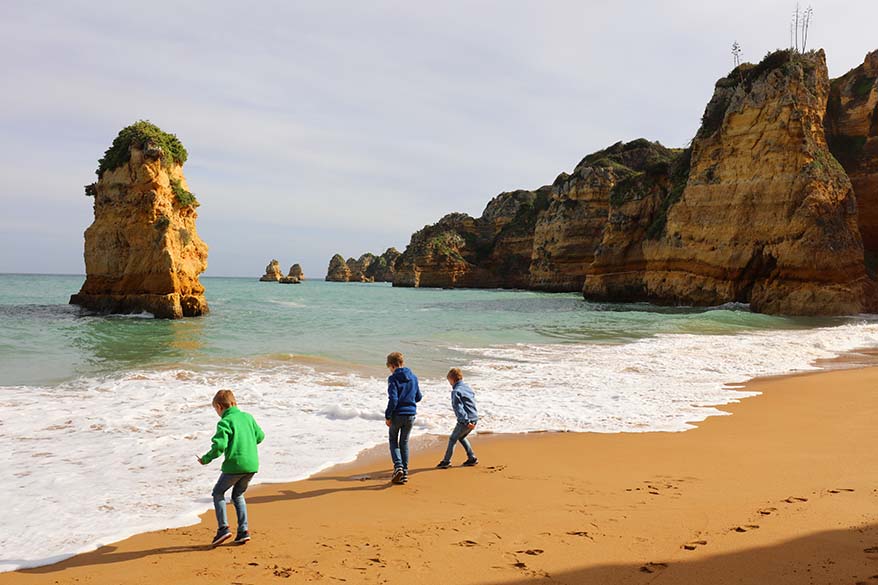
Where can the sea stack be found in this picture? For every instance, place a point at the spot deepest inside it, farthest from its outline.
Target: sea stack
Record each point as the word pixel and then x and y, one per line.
pixel 295 276
pixel 272 272
pixel 338 270
pixel 142 252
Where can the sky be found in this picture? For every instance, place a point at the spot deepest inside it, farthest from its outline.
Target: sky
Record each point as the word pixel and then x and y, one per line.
pixel 316 128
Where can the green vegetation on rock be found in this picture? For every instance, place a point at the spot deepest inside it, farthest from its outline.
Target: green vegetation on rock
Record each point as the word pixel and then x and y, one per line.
pixel 141 134
pixel 183 197
pixel 679 176
pixel 862 87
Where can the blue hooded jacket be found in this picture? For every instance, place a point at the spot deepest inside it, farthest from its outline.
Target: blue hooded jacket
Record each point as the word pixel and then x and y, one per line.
pixel 403 393
pixel 463 402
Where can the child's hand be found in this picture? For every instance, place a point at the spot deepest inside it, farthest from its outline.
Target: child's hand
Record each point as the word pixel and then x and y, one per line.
pixel 471 426
pixel 387 421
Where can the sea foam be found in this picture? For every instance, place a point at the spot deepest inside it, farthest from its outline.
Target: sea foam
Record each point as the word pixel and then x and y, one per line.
pixel 94 460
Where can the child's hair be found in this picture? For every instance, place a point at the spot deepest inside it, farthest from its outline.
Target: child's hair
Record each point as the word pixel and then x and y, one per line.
pixel 455 375
pixel 395 359
pixel 225 399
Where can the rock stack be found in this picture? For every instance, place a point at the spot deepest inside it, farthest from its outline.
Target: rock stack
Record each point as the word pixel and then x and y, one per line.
pixel 272 272
pixel 142 252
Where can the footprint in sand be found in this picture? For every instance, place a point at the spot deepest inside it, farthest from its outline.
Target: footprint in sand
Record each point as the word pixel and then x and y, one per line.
pixel 580 533
pixel 693 544
pixel 467 543
pixel 653 567
pixel 795 499
pixel 766 511
pixel 494 468
pixel 839 490
pixel 531 551
pixel 745 528
pixel 871 550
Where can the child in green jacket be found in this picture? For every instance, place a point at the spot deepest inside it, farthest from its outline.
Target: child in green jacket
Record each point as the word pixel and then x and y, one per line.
pixel 237 435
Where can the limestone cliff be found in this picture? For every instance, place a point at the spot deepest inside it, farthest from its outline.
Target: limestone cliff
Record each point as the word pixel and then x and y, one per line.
pixel 272 272
pixel 492 250
pixel 767 215
pixel 383 267
pixel 142 252
pixel 852 133
pixel 338 270
pixel 366 268
pixel 568 232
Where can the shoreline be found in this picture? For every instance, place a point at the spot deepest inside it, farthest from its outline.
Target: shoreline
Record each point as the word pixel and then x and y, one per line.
pixel 372 463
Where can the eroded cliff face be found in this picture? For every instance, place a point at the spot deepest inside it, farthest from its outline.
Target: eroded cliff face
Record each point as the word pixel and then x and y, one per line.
pixel 143 253
pixel 767 215
pixel 852 133
pixel 492 250
pixel 383 267
pixel 567 234
pixel 296 272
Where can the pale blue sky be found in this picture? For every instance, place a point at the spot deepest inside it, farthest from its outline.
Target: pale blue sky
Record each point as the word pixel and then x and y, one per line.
pixel 316 128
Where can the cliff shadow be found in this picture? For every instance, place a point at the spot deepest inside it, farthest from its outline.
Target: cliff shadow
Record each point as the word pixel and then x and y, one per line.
pixel 831 557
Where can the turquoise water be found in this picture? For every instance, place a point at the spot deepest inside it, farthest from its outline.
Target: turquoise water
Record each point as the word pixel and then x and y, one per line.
pixel 122 402
pixel 45 340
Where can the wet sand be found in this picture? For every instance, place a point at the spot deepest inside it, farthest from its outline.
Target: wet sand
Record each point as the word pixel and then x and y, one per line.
pixel 784 491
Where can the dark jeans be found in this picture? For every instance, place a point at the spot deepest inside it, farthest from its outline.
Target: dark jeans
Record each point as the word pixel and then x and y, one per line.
pixel 239 483
pixel 459 433
pixel 400 429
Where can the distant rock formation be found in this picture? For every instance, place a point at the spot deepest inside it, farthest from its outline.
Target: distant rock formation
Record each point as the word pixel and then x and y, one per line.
pixel 272 272
pixel 338 270
pixel 461 251
pixel 757 211
pixel 296 272
pixel 142 252
pixel 294 277
pixel 366 268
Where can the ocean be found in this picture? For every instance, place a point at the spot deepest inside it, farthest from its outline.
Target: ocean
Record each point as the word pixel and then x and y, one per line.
pixel 102 416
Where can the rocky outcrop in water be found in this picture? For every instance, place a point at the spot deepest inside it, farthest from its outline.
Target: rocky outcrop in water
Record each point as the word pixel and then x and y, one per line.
pixel 272 272
pixel 366 268
pixel 757 210
pixel 296 272
pixel 142 252
pixel 338 270
pixel 492 250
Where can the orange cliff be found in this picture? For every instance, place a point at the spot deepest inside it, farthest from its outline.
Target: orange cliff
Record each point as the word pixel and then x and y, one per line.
pixel 757 210
pixel 767 215
pixel 142 252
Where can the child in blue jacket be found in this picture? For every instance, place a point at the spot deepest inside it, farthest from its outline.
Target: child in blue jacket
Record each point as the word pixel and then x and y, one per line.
pixel 463 403
pixel 403 394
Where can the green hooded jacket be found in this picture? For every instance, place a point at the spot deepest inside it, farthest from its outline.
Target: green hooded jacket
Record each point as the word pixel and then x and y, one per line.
pixel 237 435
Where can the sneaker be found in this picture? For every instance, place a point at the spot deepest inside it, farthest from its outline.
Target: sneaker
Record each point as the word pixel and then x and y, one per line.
pixel 222 535
pixel 471 462
pixel 405 477
pixel 443 464
pixel 242 537
pixel 397 475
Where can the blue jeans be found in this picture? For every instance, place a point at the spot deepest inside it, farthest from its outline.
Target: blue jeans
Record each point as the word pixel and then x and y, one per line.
pixel 459 434
pixel 400 429
pixel 239 483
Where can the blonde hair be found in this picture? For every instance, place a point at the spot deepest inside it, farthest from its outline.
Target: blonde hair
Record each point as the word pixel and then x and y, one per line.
pixel 395 359
pixel 225 399
pixel 455 374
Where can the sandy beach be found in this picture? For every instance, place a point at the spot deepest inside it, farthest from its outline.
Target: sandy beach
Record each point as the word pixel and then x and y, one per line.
pixel 783 491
